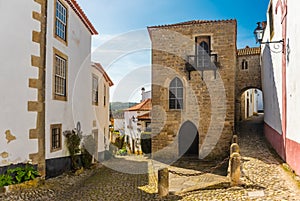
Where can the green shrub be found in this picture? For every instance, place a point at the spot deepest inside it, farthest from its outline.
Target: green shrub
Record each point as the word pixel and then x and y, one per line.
pixel 119 142
pixel 89 147
pixel 18 175
pixel 5 180
pixel 73 142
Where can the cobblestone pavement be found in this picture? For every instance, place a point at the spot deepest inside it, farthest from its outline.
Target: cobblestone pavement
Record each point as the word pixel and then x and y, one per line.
pixel 262 175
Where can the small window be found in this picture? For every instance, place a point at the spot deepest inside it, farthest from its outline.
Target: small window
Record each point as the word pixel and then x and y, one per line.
pixel 95 90
pixel 271 21
pixel 60 76
pixel 244 64
pixel 61 21
pixel 55 137
pixel 176 94
pixel 104 95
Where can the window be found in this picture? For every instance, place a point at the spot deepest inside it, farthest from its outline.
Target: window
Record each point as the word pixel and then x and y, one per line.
pixel 203 51
pixel 104 95
pixel 55 137
pixel 95 90
pixel 244 64
pixel 60 21
pixel 271 25
pixel 176 94
pixel 60 76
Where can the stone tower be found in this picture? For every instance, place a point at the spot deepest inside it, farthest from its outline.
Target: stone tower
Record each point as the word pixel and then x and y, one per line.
pixel 193 88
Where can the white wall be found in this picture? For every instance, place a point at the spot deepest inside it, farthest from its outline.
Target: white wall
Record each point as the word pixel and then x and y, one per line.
pixel 293 71
pixel 15 61
pixel 78 108
pixel 101 112
pixel 272 76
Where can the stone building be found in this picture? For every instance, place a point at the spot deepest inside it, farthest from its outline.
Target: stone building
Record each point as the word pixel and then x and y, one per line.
pixel 193 88
pixel 248 76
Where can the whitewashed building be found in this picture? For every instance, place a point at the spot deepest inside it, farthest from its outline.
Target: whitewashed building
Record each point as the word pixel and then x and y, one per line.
pixel 137 120
pixel 281 86
pixel 46 82
pixel 100 99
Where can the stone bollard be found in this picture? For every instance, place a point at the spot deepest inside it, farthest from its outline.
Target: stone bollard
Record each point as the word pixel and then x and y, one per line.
pixel 234 148
pixel 163 182
pixel 235 169
pixel 235 139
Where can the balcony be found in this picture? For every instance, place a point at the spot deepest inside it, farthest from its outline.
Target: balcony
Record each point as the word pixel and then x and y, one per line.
pixel 206 62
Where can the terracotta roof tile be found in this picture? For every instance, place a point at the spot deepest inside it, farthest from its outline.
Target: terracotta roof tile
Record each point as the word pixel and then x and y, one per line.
pixel 193 22
pixel 78 10
pixel 248 51
pixel 144 116
pixel 146 105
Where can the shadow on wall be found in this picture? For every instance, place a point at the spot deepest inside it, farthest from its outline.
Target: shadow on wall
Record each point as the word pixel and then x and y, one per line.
pixel 272 106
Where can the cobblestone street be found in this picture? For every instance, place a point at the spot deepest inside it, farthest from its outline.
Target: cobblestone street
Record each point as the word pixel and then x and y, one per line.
pixel 263 176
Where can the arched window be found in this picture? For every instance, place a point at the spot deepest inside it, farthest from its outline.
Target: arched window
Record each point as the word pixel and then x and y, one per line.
pixel 203 58
pixel 176 94
pixel 244 64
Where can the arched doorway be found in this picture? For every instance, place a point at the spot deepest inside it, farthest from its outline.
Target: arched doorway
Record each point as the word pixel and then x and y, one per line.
pixel 188 140
pixel 251 103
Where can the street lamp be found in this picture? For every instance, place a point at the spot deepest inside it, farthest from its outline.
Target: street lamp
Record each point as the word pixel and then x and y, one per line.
pixel 259 32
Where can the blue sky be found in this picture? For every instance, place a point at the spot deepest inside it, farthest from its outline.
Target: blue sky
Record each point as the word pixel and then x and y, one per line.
pixel 115 18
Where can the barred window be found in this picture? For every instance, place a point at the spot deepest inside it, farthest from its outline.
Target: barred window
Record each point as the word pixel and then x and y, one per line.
pixel 61 20
pixel 176 94
pixel 55 137
pixel 95 90
pixel 60 76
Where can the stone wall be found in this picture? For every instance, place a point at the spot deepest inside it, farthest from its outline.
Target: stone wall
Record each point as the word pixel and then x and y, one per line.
pixel 247 78
pixel 208 100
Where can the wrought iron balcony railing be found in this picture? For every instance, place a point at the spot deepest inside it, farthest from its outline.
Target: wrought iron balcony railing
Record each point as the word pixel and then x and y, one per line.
pixel 207 62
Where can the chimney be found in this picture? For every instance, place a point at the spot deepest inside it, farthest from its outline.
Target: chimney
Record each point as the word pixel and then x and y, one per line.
pixel 143 94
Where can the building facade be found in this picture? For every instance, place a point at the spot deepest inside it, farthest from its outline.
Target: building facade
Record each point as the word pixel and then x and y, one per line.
pixel 280 80
pixel 101 83
pixel 248 95
pixel 137 120
pixel 48 66
pixel 193 88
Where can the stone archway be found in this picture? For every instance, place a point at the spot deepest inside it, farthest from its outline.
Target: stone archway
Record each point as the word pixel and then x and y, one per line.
pixel 248 75
pixel 244 101
pixel 188 140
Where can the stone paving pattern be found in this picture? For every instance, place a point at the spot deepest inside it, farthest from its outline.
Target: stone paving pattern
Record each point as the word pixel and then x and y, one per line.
pixel 262 175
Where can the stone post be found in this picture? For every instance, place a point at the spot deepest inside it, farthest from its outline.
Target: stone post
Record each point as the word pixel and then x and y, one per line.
pixel 235 169
pixel 163 182
pixel 235 139
pixel 234 148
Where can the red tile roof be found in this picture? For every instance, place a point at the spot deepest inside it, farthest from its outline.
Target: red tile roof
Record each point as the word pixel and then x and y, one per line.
pixel 77 9
pixel 193 22
pixel 144 116
pixel 102 71
pixel 146 105
pixel 248 51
